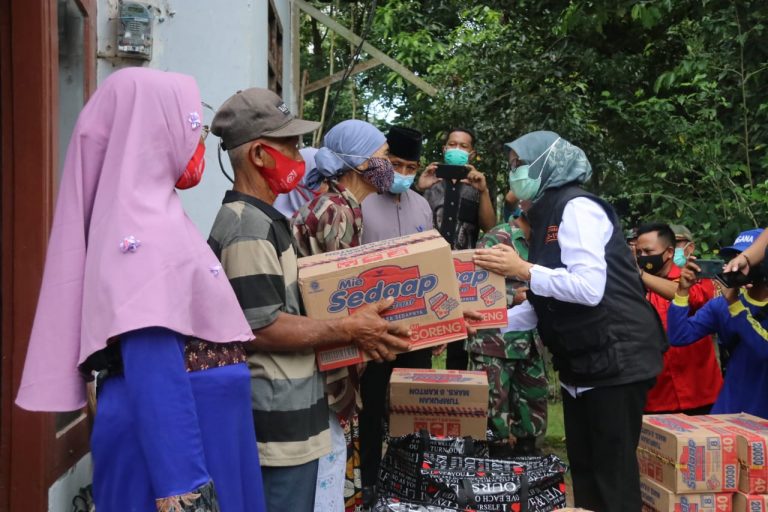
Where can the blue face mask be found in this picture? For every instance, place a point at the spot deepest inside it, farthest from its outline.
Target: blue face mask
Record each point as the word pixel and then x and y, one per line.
pixel 456 156
pixel 401 183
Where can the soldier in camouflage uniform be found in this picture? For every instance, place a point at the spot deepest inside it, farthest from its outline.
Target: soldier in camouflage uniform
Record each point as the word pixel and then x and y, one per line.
pixel 513 361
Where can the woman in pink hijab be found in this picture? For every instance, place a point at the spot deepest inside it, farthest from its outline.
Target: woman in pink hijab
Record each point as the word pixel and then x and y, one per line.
pixel 132 293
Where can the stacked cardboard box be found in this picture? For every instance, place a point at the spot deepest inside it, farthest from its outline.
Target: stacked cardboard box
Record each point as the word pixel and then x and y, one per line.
pixel 657 498
pixel 481 290
pixel 704 460
pixel 417 270
pixel 750 502
pixel 445 402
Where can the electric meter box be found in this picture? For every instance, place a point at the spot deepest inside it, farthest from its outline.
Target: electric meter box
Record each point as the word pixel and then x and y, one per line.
pixel 134 31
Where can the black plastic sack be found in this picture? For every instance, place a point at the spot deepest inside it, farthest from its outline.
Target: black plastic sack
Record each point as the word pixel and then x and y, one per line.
pixel 395 505
pixel 449 461
pixel 458 475
pixel 420 442
pixel 399 471
pixel 534 490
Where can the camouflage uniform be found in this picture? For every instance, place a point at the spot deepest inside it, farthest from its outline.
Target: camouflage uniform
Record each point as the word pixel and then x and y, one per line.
pixel 513 361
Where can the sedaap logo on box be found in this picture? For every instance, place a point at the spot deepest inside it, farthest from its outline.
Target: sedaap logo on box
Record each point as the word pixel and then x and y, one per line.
pixel 469 278
pixel 406 285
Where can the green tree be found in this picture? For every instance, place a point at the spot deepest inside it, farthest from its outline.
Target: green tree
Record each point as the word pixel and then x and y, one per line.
pixel 668 99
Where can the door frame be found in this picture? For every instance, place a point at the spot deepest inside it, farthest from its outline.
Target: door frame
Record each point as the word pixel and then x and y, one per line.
pixel 32 454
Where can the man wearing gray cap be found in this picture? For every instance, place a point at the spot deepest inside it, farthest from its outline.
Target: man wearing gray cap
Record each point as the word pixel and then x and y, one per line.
pixel 253 242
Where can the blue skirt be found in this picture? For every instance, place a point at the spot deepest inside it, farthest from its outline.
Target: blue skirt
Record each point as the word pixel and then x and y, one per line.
pixel 162 432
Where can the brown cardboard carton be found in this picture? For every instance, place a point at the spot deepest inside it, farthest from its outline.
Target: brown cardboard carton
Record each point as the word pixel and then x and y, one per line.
pixel 481 290
pixel 417 270
pixel 751 435
pixel 687 457
pixel 445 402
pixel 750 502
pixel 657 498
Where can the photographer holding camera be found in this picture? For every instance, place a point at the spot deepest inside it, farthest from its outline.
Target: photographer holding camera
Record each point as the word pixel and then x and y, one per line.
pixel 740 321
pixel 460 208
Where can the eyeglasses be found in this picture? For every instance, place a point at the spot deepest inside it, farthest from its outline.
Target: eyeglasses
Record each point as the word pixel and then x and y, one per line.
pixel 206 128
pixel 515 163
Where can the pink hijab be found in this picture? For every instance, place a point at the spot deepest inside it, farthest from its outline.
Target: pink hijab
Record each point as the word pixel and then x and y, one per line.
pixel 130 145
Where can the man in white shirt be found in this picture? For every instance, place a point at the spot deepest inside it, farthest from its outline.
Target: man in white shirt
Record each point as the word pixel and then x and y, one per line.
pixel 586 299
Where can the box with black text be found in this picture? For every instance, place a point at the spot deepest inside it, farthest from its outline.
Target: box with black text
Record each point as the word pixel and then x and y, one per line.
pixel 417 270
pixel 445 402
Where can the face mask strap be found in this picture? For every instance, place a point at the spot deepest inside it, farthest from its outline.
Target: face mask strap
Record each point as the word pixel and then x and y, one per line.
pixel 339 155
pixel 546 152
pixel 221 164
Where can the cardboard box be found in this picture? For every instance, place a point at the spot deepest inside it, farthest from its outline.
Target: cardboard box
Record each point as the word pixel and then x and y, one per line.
pixel 751 438
pixel 416 269
pixel 481 290
pixel 445 402
pixel 657 498
pixel 687 457
pixel 750 502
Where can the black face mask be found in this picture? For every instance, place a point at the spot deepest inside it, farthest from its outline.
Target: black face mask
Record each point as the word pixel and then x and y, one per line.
pixel 652 263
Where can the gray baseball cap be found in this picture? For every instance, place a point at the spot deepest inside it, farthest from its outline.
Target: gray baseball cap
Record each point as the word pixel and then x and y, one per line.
pixel 255 113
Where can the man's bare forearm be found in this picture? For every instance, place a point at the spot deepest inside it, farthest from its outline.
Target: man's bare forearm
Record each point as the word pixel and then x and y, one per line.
pixel 292 333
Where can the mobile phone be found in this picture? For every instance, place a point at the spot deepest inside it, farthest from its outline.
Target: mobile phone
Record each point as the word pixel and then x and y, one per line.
pixel 709 268
pixel 733 279
pixel 451 172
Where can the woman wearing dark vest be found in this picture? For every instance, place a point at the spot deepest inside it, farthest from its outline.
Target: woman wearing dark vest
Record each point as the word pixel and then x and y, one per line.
pixel 587 301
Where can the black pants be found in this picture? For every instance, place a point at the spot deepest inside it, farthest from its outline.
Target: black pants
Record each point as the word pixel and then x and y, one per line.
pixel 373 392
pixel 602 429
pixel 456 357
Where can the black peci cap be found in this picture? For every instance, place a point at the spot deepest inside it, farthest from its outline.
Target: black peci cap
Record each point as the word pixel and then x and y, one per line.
pixel 404 143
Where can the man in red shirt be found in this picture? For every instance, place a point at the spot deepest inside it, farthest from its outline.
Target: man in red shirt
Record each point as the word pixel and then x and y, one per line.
pixel 691 378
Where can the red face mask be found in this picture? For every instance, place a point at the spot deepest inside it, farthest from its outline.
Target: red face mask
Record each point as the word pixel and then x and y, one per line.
pixel 285 175
pixel 194 171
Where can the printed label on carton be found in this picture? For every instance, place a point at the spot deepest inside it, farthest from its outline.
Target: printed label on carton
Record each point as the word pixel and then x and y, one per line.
pixel 406 285
pixel 687 456
pixel 449 426
pixel 481 291
pixel 443 401
pixel 744 444
pixel 658 498
pixel 750 502
pixel 416 271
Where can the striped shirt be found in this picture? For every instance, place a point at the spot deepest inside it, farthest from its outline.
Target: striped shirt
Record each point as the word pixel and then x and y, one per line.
pixel 290 411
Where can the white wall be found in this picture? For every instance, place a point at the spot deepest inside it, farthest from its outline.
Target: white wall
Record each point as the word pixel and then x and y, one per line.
pixel 223 44
pixel 63 490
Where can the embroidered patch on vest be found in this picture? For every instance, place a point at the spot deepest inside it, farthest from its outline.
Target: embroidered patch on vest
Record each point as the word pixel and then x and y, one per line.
pixel 551 234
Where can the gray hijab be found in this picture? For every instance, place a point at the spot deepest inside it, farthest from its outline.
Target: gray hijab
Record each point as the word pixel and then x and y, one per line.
pixel 556 160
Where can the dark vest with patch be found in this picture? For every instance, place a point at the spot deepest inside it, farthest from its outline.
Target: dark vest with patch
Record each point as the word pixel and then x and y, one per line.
pixel 619 341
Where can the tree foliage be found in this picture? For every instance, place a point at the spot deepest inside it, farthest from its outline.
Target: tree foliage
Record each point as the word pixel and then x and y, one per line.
pixel 668 99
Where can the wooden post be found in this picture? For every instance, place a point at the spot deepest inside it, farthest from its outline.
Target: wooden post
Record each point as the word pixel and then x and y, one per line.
pixel 371 50
pixel 332 79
